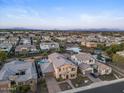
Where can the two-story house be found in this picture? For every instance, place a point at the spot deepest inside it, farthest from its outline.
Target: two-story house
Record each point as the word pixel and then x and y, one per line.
pixel 18 73
pixel 59 66
pixel 49 45
pixel 84 62
pixel 103 69
pixel 82 57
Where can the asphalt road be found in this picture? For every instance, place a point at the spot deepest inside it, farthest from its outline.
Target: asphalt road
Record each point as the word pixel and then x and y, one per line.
pixel 114 88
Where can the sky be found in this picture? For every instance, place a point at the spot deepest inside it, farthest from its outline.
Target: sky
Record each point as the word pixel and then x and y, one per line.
pixel 62 14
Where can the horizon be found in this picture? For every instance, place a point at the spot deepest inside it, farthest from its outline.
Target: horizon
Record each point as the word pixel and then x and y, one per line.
pixel 62 14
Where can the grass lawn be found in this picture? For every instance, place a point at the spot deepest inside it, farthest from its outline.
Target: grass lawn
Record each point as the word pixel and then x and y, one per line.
pixel 64 86
pixel 107 77
pixel 80 81
pixel 60 80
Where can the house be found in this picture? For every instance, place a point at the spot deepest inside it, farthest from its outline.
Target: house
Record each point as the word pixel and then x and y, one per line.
pixel 18 73
pixel 4 87
pixel 103 69
pixel 6 47
pixel 85 69
pixel 25 49
pixel 12 40
pixel 47 69
pixel 46 38
pixel 49 45
pixel 25 41
pixel 61 38
pixel 121 53
pixel 89 44
pixel 82 57
pixel 63 67
pixel 2 39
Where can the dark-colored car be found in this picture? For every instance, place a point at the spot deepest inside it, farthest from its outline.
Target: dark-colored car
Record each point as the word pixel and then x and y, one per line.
pixel 94 75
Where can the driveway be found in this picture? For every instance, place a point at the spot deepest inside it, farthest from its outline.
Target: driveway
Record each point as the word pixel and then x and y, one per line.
pixel 52 85
pixel 38 87
pixel 117 70
pixel 93 79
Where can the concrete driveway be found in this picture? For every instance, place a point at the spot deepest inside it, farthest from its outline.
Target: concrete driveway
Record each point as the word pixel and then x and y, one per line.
pixel 52 85
pixel 93 79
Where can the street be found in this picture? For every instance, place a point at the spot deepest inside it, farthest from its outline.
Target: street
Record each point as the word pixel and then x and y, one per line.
pixel 114 88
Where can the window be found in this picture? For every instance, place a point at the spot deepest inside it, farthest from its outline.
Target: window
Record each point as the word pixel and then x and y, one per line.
pixel 60 76
pixel 59 69
pixel 20 83
pixel 63 68
pixel 90 60
pixel 31 82
pixel 73 69
pixel 72 75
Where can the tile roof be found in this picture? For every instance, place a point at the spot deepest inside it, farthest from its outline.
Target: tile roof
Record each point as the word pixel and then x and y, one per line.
pixel 12 68
pixel 59 60
pixel 47 67
pixel 102 66
pixel 84 66
pixel 83 56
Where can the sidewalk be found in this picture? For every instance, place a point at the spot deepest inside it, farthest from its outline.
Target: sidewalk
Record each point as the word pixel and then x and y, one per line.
pixel 94 85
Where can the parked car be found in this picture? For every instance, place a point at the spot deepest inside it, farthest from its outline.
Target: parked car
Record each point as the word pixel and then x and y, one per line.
pixel 94 75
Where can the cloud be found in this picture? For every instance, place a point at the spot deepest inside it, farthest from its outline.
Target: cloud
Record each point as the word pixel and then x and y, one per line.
pixel 30 17
pixel 105 21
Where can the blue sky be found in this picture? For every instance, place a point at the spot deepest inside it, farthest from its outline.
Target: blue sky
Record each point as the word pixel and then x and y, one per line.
pixel 62 14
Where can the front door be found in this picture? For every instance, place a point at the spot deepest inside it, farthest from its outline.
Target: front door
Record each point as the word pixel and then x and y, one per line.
pixel 66 76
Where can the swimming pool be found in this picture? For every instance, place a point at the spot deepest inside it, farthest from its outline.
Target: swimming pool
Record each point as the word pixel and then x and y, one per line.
pixel 42 61
pixel 74 49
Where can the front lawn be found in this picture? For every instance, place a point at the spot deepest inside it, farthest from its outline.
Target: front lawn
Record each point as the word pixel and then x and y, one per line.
pixel 80 81
pixel 60 79
pixel 64 86
pixel 107 77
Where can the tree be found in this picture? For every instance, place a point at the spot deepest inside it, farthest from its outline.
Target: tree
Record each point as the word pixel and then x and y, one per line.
pixel 114 48
pixel 62 49
pixel 101 46
pixel 21 89
pixel 45 53
pixel 3 56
